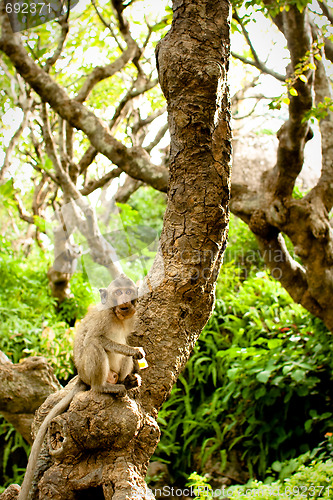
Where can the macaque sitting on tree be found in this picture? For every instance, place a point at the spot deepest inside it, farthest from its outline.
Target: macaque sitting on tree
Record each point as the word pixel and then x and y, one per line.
pixel 101 354
pixel 103 359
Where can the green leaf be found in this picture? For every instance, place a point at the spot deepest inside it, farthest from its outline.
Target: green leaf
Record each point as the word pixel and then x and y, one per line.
pixel 259 393
pixel 40 223
pixel 293 91
pixel 274 343
pixel 298 375
pixel 308 425
pixel 276 466
pixel 286 369
pixel 263 376
pixel 303 78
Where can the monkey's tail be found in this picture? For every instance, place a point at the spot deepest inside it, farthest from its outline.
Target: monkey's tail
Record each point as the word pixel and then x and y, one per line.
pixel 37 444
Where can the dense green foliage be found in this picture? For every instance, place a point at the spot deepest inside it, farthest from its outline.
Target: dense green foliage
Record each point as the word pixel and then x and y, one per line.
pixel 14 451
pixel 311 482
pixel 32 324
pixel 258 382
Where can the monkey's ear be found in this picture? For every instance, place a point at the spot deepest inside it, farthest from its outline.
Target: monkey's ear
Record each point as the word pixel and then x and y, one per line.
pixel 104 295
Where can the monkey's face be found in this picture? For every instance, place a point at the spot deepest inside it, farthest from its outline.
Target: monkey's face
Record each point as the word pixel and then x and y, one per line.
pixel 121 296
pixel 124 300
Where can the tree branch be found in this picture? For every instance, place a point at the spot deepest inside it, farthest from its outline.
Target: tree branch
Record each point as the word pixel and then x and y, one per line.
pixel 107 25
pixel 126 190
pixel 101 250
pixel 291 275
pixel 328 49
pixel 40 193
pixel 144 122
pixel 98 183
pixel 23 388
pixel 102 72
pixel 260 66
pixel 63 21
pixel 256 61
pixel 139 87
pixel 91 152
pixel 159 136
pixel 324 189
pixel 295 132
pixel 11 78
pixel 135 161
pixel 326 11
pixel 36 167
pixel 23 214
pixel 14 140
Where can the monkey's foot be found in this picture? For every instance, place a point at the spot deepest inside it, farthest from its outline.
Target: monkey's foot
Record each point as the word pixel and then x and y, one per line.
pixel 132 381
pixel 114 389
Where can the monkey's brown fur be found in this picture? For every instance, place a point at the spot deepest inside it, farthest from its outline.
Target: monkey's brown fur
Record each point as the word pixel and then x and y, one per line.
pixel 101 356
pixel 101 353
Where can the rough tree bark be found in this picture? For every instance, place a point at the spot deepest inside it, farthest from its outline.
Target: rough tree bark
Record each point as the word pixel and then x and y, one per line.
pixel 23 388
pixel 192 61
pixel 102 444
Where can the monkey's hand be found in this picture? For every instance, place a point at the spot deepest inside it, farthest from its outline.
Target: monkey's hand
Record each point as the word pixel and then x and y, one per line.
pixel 140 353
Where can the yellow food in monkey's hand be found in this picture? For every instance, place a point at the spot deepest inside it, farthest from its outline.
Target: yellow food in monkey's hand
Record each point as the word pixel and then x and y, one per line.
pixel 143 363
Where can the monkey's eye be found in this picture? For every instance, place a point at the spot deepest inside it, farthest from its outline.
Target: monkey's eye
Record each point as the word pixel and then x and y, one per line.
pixel 118 292
pixel 128 292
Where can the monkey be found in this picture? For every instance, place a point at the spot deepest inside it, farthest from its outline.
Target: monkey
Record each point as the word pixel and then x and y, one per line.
pixel 101 354
pixel 102 357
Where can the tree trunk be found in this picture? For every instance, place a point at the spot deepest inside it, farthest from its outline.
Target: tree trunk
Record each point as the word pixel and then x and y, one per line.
pixel 102 444
pixel 23 388
pixel 192 61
